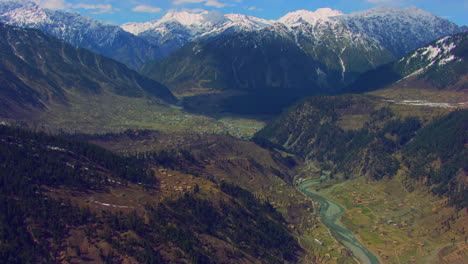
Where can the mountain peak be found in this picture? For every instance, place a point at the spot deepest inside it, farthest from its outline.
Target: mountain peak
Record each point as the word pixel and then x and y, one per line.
pixel 310 17
pixel 28 13
pixel 393 11
pixel 193 19
pixel 80 31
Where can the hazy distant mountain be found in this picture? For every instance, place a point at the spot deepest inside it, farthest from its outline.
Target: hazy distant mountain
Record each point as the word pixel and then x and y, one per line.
pixel 80 31
pixel 37 70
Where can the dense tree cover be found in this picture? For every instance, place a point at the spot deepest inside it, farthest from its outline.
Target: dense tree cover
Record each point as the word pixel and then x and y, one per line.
pixel 43 159
pixel 311 130
pixel 34 228
pixel 435 152
pixel 439 155
pixel 28 235
pixel 175 159
pixel 29 160
pixel 250 224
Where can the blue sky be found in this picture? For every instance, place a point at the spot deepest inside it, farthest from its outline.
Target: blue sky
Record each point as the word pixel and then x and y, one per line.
pixel 121 11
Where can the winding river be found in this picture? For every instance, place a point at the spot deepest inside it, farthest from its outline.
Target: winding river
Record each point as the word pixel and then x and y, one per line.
pixel 331 213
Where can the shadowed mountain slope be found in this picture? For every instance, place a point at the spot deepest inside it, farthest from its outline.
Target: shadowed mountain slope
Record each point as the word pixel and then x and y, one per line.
pixel 38 71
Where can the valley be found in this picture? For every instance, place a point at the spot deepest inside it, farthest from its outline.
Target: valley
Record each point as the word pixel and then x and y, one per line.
pixel 396 224
pixel 202 137
pixel 113 114
pixel 331 214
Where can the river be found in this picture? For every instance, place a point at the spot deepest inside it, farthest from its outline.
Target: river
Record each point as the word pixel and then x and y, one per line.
pixel 331 213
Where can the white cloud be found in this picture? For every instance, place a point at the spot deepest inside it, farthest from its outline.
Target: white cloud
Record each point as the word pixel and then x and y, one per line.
pixel 379 1
pixel 253 8
pixel 146 9
pixel 193 10
pixel 181 2
pixel 214 3
pixel 51 4
pixel 100 9
pixel 54 4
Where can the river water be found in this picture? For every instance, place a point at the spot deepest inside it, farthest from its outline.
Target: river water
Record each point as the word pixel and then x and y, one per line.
pixel 331 213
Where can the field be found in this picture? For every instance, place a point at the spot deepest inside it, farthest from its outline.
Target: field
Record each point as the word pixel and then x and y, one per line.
pixel 112 113
pixel 402 226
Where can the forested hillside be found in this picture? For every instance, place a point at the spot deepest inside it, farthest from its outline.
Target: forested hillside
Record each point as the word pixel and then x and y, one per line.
pixel 79 184
pixel 363 136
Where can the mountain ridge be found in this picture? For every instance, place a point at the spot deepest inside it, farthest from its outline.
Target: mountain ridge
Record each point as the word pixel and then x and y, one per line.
pixel 392 21
pixel 80 31
pixel 40 70
pixel 441 65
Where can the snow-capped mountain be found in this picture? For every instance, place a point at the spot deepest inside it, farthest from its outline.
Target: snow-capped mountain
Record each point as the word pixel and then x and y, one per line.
pixel 399 30
pixel 442 65
pixel 438 62
pixel 324 46
pixel 80 31
pixel 304 16
pixel 178 28
pixel 346 42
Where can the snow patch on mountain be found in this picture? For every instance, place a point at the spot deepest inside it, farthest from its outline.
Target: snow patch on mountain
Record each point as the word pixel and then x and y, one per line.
pixel 439 52
pixel 194 19
pixel 175 29
pixel 299 17
pixel 199 24
pixel 436 54
pixel 80 31
pixel 26 15
pixel 399 29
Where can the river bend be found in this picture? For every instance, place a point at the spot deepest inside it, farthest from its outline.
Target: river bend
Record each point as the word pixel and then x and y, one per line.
pixel 331 213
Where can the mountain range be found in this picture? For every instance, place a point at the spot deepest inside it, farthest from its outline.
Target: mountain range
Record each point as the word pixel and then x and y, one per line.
pixel 303 53
pixel 360 135
pixel 398 30
pixel 395 29
pixel 80 31
pixel 229 62
pixel 369 107
pixel 240 60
